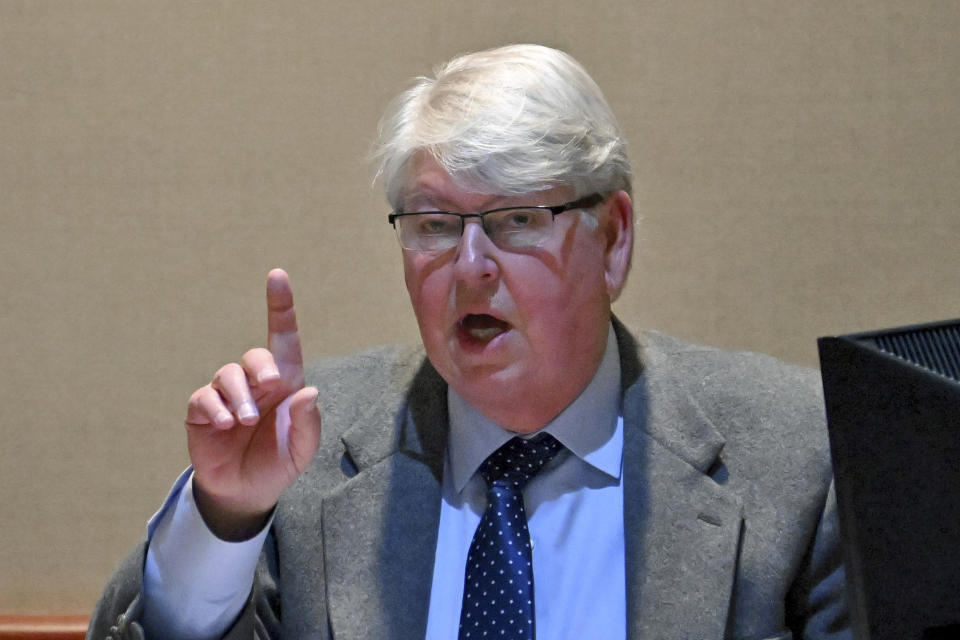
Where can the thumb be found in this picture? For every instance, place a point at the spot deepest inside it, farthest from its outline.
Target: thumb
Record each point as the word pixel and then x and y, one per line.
pixel 304 435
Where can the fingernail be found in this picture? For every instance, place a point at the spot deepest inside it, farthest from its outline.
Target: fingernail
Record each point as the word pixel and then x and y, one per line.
pixel 247 410
pixel 267 375
pixel 221 419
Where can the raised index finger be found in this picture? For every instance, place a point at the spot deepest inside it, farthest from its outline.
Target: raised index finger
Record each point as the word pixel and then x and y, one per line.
pixel 283 340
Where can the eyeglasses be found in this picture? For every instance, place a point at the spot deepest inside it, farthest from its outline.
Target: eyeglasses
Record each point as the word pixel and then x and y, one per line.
pixel 508 228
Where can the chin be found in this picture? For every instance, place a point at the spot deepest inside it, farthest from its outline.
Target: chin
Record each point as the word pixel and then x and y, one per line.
pixel 494 387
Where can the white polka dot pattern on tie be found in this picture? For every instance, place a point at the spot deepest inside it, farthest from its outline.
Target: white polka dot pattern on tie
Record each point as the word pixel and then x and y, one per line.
pixel 498 585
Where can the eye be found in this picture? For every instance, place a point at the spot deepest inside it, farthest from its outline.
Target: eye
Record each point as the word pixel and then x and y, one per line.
pixel 513 221
pixel 517 219
pixel 437 224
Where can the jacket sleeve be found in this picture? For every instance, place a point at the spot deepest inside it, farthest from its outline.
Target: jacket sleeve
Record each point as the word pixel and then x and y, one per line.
pixel 117 613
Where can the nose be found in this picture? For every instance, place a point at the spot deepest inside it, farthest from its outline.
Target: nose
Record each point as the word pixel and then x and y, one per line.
pixel 474 258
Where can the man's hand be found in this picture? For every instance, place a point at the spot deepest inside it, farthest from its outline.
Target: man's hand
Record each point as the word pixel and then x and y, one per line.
pixel 255 427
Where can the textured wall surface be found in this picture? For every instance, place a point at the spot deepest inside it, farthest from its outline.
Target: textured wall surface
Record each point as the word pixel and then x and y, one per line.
pixel 796 166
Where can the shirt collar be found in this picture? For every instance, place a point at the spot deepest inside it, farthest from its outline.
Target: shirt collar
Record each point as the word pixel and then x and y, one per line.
pixel 586 427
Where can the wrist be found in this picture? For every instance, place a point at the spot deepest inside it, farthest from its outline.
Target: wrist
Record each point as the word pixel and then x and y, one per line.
pixel 229 522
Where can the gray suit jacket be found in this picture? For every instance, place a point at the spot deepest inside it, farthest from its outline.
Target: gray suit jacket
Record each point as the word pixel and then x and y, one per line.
pixel 730 524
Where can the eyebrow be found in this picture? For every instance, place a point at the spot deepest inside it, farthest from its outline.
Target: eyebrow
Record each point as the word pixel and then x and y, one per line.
pixel 421 200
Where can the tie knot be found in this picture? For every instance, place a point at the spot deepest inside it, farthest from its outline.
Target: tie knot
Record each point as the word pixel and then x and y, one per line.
pixel 519 460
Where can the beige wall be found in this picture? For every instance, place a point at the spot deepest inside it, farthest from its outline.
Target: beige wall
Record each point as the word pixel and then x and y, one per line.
pixel 797 174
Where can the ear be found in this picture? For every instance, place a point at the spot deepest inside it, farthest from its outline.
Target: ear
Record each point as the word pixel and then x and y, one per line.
pixel 618 226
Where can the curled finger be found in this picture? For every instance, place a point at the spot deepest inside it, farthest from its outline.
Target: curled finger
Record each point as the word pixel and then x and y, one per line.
pixel 261 369
pixel 232 384
pixel 206 407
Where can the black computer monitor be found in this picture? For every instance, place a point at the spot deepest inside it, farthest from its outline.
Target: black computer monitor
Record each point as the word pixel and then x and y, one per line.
pixel 893 411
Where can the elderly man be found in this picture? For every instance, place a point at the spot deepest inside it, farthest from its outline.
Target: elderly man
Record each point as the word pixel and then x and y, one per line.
pixel 542 473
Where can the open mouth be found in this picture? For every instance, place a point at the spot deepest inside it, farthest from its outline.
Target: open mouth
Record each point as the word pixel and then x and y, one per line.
pixel 482 327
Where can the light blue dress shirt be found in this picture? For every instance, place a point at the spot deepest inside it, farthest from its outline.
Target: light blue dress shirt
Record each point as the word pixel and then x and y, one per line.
pixel 195 584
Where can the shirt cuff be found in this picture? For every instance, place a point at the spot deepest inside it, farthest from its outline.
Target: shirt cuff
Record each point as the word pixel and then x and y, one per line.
pixel 195 584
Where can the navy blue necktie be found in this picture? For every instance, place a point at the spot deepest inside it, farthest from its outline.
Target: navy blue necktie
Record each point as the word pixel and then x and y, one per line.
pixel 498 586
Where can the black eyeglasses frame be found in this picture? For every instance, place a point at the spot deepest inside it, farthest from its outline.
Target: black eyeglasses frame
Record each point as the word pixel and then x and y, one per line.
pixel 581 203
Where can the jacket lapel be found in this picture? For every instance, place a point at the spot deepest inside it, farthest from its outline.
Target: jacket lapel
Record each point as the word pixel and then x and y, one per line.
pixel 380 528
pixel 682 528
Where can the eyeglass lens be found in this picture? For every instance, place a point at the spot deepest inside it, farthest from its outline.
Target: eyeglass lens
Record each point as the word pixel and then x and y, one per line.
pixel 508 229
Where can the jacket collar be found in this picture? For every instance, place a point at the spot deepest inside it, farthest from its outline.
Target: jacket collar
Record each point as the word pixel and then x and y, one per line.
pixel 654 390
pixel 418 406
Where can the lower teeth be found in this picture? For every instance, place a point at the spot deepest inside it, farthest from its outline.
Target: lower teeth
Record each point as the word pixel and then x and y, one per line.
pixel 485 335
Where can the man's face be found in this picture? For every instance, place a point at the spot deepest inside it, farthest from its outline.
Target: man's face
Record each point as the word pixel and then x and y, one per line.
pixel 519 333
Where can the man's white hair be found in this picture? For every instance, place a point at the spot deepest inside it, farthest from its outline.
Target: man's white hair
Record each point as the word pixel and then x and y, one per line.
pixel 510 121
